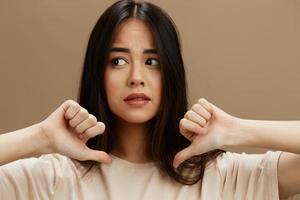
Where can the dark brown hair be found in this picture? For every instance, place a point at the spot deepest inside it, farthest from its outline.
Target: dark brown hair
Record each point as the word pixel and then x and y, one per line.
pixel 165 140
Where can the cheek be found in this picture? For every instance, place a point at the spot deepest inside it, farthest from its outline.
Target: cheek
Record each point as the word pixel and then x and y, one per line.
pixel 111 83
pixel 157 87
pixel 113 88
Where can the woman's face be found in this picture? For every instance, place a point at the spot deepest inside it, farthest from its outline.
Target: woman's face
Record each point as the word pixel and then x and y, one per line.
pixel 133 67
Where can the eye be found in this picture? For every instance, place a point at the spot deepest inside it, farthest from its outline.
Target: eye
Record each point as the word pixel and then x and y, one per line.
pixel 118 61
pixel 152 61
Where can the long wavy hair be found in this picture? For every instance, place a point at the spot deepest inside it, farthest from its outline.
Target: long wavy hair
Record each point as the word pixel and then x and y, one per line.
pixel 165 140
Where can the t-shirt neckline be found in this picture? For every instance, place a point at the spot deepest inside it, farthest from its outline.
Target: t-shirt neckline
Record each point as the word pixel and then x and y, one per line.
pixel 125 163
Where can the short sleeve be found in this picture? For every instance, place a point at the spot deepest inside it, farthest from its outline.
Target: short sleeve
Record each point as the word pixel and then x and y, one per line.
pixel 249 176
pixel 31 178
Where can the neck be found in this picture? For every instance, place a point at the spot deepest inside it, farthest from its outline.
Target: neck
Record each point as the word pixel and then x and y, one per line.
pixel 132 142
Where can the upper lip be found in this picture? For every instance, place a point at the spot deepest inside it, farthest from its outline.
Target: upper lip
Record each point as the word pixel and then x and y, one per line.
pixel 136 95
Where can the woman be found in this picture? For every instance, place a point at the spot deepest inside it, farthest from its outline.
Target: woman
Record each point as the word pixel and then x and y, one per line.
pixel 131 135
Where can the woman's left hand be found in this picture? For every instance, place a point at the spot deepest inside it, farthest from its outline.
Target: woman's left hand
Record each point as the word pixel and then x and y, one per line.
pixel 207 127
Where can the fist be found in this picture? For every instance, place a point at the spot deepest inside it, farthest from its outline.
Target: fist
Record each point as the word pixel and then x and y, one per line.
pixel 206 126
pixel 68 129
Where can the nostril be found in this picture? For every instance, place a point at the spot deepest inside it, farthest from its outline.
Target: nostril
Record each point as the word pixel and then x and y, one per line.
pixel 132 83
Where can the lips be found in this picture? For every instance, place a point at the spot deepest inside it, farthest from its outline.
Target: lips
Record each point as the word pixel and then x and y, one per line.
pixel 137 96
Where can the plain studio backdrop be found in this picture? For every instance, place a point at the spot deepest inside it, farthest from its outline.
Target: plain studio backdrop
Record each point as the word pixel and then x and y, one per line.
pixel 243 56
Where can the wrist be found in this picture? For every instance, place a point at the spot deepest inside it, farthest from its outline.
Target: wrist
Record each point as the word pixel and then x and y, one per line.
pixel 238 136
pixel 40 141
pixel 22 143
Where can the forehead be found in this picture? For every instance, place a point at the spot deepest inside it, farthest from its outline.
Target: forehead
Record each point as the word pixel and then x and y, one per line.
pixel 134 31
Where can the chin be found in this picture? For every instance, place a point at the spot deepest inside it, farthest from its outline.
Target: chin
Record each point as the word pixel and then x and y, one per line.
pixel 136 118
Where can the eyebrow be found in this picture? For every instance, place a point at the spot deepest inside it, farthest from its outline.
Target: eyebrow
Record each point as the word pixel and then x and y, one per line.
pixel 126 50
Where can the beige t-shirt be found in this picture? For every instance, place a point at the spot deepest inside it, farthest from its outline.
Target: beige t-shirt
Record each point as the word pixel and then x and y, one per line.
pixel 53 176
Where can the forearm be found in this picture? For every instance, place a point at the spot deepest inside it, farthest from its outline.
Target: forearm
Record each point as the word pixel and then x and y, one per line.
pixel 275 135
pixel 22 143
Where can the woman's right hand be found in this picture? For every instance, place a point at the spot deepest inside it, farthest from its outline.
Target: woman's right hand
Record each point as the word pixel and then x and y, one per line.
pixel 68 129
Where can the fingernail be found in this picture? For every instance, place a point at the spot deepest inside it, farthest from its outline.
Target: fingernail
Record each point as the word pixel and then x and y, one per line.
pixel 109 160
pixel 175 166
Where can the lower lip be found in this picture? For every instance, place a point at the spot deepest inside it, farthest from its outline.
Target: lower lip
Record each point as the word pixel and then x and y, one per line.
pixel 137 102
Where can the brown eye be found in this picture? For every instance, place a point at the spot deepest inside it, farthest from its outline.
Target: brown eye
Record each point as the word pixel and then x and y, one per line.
pixel 118 61
pixel 152 61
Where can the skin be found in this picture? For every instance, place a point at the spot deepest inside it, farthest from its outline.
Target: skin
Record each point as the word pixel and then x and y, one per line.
pixel 130 72
pixel 208 127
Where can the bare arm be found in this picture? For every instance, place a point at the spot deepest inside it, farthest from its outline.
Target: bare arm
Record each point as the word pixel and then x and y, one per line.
pixel 208 127
pixel 22 143
pixel 277 135
pixel 64 131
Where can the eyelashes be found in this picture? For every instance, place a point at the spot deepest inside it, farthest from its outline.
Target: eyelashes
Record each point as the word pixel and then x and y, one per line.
pixel 153 60
pixel 118 62
pixel 115 61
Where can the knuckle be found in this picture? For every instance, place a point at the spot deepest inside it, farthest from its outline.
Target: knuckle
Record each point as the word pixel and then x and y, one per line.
pixel 203 121
pixel 194 107
pixel 77 129
pixel 84 112
pixel 101 128
pixel 201 100
pixel 71 102
pixel 76 106
pixel 188 114
pixel 182 130
pixel 92 118
pixel 198 106
pixel 182 122
pixel 88 132
pixel 102 125
pixel 185 115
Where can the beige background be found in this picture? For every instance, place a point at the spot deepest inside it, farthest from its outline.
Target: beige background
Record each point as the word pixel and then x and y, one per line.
pixel 241 55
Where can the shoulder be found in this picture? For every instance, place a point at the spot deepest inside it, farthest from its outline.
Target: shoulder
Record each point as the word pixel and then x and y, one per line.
pixel 63 165
pixel 243 161
pixel 248 175
pixel 45 165
pixel 40 175
pixel 231 166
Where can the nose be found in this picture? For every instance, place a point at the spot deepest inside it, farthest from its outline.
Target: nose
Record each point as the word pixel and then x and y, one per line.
pixel 136 77
pixel 132 83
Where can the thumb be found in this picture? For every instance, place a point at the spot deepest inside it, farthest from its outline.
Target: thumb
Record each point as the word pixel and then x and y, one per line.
pixel 99 156
pixel 183 155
